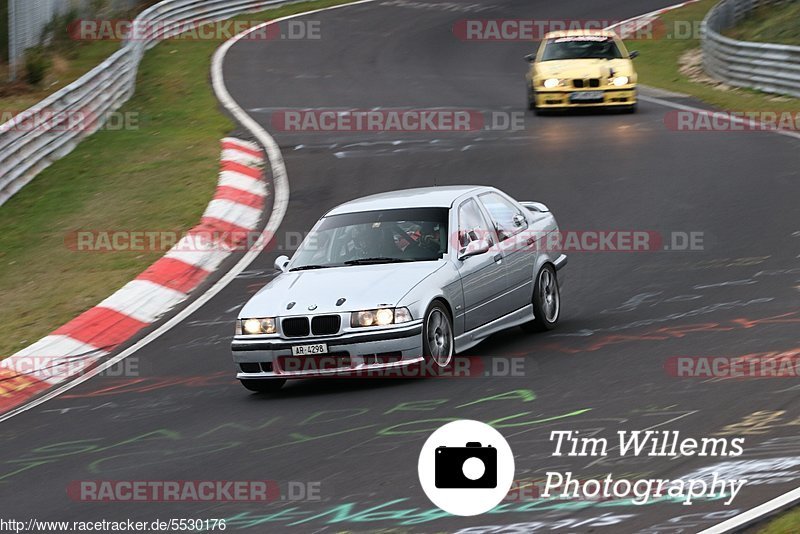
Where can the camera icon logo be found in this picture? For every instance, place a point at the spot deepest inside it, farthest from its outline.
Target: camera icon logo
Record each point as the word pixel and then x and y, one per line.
pixel 472 466
pixel 466 468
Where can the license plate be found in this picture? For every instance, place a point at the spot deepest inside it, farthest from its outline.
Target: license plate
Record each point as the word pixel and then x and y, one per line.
pixel 587 96
pixel 308 350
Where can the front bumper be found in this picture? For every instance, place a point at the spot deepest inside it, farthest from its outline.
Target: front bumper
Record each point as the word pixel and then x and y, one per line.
pixel 561 262
pixel 561 98
pixel 348 354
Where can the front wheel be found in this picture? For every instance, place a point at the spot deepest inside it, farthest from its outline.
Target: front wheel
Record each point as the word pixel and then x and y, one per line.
pixel 267 385
pixel 437 336
pixel 546 301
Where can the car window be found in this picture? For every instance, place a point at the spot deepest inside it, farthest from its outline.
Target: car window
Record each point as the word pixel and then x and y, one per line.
pixel 471 225
pixel 502 213
pixel 581 47
pixel 413 234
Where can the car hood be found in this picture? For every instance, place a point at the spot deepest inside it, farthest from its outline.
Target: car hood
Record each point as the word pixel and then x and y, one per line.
pixel 364 287
pixel 584 68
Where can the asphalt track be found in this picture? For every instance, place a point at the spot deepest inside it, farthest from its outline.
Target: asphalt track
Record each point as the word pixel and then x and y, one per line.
pixel 603 370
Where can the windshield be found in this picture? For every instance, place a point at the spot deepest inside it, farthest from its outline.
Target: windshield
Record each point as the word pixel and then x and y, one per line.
pixel 581 47
pixel 390 236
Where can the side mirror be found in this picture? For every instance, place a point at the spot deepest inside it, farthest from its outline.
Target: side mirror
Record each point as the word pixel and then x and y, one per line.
pixel 519 220
pixel 474 248
pixel 535 206
pixel 281 263
pixel 634 54
pixel 530 58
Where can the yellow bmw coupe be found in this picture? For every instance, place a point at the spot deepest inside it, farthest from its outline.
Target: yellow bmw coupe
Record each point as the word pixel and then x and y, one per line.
pixel 581 69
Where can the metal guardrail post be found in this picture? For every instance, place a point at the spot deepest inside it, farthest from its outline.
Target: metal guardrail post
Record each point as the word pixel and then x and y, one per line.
pixel 13 53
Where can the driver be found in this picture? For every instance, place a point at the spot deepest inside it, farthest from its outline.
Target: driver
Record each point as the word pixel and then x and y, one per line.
pixel 430 237
pixel 371 241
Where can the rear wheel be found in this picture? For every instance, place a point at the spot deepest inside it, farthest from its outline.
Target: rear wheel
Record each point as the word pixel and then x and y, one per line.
pixel 268 385
pixel 437 336
pixel 546 301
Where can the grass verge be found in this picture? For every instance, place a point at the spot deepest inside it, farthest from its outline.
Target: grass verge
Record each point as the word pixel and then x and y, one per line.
pixel 661 59
pixel 157 177
pixel 17 97
pixel 770 24
pixel 788 523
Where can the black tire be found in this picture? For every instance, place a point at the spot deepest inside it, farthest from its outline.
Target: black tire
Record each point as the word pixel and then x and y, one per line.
pixel 531 101
pixel 438 341
pixel 630 109
pixel 546 301
pixel 266 385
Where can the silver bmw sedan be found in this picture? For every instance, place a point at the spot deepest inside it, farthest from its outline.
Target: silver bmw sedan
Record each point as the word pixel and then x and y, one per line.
pixel 401 279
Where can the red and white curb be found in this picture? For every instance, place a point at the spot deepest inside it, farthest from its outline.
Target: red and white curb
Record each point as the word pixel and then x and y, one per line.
pixel 230 218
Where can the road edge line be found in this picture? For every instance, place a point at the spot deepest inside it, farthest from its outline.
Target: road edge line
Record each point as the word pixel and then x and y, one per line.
pixel 754 515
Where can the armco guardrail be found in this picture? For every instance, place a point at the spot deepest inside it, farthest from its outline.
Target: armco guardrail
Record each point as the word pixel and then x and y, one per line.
pixel 772 68
pixel 51 129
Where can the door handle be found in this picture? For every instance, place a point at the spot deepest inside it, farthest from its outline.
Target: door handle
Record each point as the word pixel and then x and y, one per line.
pixel 498 258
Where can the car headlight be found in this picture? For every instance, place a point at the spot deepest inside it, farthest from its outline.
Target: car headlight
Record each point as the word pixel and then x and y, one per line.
pixel 620 80
pixel 551 83
pixel 254 327
pixel 379 317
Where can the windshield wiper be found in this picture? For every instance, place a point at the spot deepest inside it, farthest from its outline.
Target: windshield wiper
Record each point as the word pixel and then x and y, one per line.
pixel 371 261
pixel 309 267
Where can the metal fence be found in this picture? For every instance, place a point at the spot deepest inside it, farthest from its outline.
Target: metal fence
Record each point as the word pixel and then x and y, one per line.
pixel 27 20
pixel 3 30
pixel 78 110
pixel 772 68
